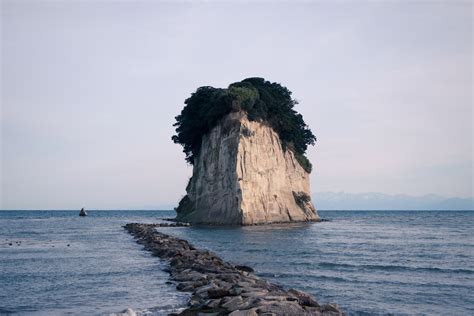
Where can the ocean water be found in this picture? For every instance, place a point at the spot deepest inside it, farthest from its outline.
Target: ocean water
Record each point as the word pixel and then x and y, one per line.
pixel 102 271
pixel 369 262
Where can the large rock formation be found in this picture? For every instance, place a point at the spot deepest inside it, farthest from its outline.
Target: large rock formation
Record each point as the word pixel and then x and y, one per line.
pixel 243 176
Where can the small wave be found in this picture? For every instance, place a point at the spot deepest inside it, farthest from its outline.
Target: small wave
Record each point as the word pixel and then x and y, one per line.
pixel 126 312
pixel 290 275
pixel 391 268
pixel 271 275
pixel 4 311
pixel 153 311
pixel 332 278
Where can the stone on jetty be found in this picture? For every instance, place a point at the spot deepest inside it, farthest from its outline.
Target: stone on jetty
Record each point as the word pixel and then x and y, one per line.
pixel 220 288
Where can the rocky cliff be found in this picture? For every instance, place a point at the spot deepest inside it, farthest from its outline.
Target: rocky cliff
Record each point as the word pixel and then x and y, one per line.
pixel 243 176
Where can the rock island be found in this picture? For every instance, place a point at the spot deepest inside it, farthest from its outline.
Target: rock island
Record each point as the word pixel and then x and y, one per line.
pixel 247 146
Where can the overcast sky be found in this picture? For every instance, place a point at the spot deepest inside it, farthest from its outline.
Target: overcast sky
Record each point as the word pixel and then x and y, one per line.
pixel 90 91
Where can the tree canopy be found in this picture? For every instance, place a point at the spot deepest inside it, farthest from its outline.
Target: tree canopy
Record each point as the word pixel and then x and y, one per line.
pixel 262 100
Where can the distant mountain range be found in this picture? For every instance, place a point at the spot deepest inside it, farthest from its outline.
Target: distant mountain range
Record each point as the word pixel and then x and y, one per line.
pixel 381 201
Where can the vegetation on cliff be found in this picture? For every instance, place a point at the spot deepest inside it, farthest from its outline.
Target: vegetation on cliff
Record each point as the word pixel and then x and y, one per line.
pixel 262 100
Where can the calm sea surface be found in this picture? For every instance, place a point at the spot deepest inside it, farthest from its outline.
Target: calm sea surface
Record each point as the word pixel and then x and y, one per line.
pixel 369 262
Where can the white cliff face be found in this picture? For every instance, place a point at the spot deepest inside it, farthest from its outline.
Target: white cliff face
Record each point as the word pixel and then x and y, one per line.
pixel 242 176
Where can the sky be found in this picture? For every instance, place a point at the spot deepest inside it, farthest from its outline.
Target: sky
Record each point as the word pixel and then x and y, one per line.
pixel 89 92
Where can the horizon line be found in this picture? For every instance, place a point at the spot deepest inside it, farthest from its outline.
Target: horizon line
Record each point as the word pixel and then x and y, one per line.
pixel 163 210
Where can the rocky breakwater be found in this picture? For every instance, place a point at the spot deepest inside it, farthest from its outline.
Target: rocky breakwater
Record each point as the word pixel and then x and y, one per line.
pixel 220 288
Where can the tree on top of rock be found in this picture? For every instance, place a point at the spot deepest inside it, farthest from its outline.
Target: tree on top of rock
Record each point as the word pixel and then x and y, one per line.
pixel 262 100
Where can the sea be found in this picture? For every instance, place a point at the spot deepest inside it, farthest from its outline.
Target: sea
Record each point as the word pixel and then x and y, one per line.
pixel 368 262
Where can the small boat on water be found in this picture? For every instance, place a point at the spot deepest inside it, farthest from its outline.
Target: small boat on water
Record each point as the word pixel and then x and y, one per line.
pixel 82 212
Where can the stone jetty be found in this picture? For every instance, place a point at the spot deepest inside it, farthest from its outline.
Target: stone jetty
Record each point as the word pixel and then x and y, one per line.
pixel 218 287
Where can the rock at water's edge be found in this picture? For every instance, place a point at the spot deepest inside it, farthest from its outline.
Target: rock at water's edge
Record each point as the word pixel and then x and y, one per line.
pixel 243 176
pixel 82 212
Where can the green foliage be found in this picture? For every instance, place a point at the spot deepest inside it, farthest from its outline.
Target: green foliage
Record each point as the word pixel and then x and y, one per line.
pixel 301 198
pixel 304 162
pixel 263 101
pixel 243 98
pixel 202 111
